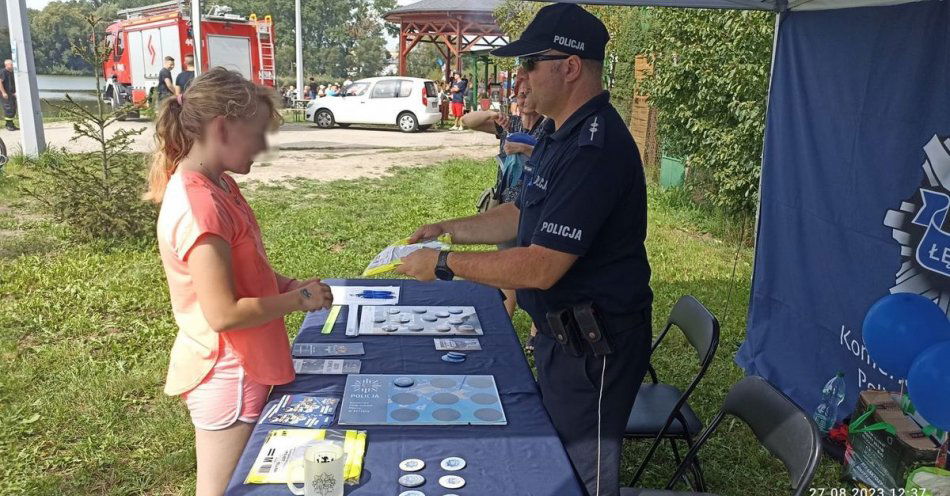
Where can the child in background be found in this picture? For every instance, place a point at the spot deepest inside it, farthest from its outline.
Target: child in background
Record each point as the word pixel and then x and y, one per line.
pixel 228 302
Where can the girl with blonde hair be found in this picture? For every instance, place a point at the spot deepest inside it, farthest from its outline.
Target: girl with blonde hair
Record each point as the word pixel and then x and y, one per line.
pixel 228 302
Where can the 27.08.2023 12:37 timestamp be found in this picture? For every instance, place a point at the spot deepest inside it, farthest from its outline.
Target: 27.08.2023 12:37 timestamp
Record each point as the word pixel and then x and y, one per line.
pixel 857 491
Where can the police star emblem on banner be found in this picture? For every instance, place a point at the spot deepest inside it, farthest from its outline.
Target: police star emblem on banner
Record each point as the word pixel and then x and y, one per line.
pixel 918 225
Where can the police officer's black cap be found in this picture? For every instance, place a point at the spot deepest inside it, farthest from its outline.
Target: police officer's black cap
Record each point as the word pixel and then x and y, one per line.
pixel 564 27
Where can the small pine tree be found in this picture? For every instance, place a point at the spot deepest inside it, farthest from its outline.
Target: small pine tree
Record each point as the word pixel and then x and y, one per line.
pixel 97 194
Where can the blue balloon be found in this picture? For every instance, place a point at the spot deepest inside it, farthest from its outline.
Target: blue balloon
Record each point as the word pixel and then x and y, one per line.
pixel 928 385
pixel 899 327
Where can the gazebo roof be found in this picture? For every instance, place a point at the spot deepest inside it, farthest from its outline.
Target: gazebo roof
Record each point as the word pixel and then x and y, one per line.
pixel 444 6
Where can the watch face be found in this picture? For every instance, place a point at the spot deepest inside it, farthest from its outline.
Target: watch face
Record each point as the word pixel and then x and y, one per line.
pixel 443 273
pixel 442 270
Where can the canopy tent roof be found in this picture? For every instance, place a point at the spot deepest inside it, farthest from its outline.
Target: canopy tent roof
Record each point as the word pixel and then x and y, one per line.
pixel 773 5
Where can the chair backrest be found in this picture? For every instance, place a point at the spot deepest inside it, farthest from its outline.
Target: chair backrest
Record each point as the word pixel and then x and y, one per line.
pixel 698 324
pixel 779 425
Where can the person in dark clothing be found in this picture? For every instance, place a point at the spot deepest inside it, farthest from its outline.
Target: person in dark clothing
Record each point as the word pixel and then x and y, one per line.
pixel 313 86
pixel 166 85
pixel 8 91
pixel 187 74
pixel 457 91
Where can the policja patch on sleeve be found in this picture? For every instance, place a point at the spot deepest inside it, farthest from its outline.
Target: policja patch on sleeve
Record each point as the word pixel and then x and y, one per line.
pixel 592 132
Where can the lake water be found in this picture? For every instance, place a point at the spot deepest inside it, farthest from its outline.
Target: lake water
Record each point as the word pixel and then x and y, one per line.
pixel 53 90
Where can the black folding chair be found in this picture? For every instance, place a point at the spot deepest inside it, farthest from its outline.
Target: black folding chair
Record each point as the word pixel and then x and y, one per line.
pixel 660 410
pixel 779 425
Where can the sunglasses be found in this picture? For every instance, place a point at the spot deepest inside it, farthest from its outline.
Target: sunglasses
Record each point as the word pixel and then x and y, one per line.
pixel 528 63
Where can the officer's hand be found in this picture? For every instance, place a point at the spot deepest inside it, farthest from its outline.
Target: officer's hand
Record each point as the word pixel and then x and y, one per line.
pixel 428 231
pixel 315 296
pixel 420 264
pixel 502 120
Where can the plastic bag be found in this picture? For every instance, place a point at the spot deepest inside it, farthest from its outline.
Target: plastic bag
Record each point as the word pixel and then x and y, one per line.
pixel 391 256
pixel 928 481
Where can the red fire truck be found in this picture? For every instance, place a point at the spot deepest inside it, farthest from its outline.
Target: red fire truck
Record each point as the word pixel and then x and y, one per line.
pixel 141 41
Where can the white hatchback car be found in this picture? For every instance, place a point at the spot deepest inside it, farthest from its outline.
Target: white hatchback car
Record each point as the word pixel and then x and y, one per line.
pixel 410 103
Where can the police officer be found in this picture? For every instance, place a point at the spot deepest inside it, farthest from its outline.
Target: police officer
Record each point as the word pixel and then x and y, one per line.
pixel 580 224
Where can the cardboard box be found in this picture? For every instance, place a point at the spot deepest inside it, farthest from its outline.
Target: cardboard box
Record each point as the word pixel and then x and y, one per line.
pixel 882 458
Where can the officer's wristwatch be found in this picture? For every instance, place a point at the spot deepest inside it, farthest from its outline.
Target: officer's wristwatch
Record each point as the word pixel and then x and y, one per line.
pixel 442 270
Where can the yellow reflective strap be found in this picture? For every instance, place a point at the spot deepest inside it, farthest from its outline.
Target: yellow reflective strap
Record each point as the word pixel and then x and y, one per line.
pixel 331 319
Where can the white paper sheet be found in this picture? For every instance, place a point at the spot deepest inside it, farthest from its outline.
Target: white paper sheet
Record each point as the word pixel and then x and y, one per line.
pixel 348 295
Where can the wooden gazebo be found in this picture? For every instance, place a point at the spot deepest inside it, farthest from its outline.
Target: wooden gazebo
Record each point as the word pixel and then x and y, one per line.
pixel 454 26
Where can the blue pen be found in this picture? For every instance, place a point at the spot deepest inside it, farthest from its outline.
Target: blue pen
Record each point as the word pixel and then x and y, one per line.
pixel 378 295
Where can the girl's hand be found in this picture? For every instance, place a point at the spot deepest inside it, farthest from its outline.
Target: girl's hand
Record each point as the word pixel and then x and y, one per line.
pixel 314 296
pixel 296 284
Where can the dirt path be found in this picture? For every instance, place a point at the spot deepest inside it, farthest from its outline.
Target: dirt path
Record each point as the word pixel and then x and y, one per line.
pixel 305 151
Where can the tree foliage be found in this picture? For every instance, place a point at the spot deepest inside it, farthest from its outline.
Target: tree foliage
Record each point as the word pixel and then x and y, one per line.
pixel 341 38
pixel 423 62
pixel 710 83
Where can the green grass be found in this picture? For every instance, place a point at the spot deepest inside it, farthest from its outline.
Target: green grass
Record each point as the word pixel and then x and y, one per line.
pixel 85 329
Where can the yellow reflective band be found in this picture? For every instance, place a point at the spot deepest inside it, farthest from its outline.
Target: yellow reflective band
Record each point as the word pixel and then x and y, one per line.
pixel 331 319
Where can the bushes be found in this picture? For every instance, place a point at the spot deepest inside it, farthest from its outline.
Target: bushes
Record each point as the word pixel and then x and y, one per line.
pixel 710 82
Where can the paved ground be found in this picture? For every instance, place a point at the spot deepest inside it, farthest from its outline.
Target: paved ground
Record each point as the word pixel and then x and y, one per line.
pixel 303 150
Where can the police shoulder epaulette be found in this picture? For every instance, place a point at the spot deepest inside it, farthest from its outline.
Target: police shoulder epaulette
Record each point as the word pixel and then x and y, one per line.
pixel 592 132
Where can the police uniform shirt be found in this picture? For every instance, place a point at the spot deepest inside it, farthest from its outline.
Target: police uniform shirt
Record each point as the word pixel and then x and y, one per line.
pixel 584 193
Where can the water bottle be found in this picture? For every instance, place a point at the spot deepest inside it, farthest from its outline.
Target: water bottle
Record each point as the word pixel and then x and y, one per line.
pixel 832 395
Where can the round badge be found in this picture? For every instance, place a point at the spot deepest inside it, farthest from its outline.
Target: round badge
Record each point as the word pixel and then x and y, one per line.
pixel 412 492
pixel 403 381
pixel 412 480
pixel 453 463
pixel 412 465
pixel 451 481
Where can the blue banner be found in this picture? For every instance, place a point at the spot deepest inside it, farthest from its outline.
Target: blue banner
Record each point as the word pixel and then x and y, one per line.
pixel 855 190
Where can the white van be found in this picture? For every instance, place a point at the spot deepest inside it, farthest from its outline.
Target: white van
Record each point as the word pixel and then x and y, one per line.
pixel 410 103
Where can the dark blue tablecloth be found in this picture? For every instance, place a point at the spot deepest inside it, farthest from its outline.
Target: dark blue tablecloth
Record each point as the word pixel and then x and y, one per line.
pixel 524 457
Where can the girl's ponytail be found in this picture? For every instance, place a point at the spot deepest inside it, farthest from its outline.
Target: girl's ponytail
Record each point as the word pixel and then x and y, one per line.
pixel 172 146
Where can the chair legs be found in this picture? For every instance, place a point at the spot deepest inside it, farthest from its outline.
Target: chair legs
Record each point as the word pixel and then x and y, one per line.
pixel 698 483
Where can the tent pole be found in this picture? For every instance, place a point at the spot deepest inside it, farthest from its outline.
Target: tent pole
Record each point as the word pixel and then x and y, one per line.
pixel 768 97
